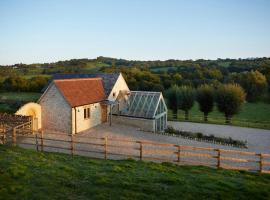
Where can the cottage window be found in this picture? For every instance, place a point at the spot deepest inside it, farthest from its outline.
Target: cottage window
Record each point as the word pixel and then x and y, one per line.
pixel 86 113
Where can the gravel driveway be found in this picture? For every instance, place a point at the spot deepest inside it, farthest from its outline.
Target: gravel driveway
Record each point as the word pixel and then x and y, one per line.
pixel 258 139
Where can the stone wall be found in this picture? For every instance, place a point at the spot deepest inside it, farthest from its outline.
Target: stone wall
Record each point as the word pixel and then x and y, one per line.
pixel 56 112
pixel 84 124
pixel 143 124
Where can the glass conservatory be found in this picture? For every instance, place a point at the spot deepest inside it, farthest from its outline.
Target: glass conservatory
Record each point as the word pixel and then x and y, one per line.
pixel 143 105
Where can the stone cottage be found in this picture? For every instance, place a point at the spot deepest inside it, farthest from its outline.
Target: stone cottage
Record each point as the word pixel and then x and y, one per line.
pixel 72 103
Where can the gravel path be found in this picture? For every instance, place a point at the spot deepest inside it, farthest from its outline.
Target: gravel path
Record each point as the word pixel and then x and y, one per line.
pixel 126 132
pixel 258 139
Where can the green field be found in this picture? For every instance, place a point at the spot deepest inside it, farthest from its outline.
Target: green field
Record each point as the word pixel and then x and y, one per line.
pixel 256 115
pixel 8 99
pixel 20 96
pixel 26 174
pixel 34 75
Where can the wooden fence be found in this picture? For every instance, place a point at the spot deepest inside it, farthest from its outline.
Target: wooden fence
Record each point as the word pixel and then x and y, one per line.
pixel 13 120
pixel 118 148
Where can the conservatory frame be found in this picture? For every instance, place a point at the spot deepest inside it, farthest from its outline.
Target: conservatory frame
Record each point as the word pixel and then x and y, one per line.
pixel 146 105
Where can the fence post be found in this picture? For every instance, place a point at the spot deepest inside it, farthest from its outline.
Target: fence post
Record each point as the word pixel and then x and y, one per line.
pixel 105 147
pixel 218 158
pixel 14 137
pixel 178 153
pixel 261 162
pixel 36 141
pixel 141 150
pixel 4 136
pixel 71 144
pixel 41 140
pixel 31 123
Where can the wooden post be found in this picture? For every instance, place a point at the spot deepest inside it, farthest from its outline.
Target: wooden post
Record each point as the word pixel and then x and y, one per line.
pixel 218 158
pixel 261 162
pixel 14 137
pixel 71 145
pixel 41 140
pixel 178 153
pixel 4 136
pixel 31 119
pixel 140 150
pixel 105 147
pixel 110 115
pixel 36 141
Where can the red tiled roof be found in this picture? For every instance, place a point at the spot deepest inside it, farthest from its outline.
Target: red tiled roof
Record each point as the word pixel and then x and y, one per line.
pixel 81 91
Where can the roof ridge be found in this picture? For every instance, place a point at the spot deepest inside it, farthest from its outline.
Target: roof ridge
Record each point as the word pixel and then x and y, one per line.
pixel 76 79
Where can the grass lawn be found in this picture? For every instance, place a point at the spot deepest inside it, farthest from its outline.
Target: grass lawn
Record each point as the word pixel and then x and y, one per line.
pixel 255 115
pixel 5 108
pixel 20 96
pixel 26 174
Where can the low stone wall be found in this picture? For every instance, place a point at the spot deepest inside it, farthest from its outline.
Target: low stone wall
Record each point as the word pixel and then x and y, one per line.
pixel 143 124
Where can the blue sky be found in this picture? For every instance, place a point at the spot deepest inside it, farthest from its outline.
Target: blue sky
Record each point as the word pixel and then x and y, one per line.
pixel 51 30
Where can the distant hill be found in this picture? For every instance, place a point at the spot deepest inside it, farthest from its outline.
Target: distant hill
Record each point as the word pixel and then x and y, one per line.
pixel 232 64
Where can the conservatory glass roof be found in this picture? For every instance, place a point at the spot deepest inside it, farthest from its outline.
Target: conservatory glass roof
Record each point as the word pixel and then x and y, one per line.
pixel 144 104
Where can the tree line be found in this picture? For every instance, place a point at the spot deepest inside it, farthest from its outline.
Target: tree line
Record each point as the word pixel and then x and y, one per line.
pixel 227 97
pixel 253 75
pixel 21 84
pixel 254 83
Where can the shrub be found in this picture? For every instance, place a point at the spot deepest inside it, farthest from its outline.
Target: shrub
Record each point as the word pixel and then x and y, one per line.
pixel 208 138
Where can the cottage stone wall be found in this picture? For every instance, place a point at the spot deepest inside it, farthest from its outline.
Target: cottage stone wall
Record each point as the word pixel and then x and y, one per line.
pixel 56 112
pixel 143 124
pixel 84 124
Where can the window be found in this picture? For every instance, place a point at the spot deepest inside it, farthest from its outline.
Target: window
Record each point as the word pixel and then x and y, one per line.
pixel 114 94
pixel 86 113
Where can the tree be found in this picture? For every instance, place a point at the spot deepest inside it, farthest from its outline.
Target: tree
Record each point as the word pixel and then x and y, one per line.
pixel 205 98
pixel 229 99
pixel 254 84
pixel 186 99
pixel 37 83
pixel 172 96
pixel 177 78
pixel 15 83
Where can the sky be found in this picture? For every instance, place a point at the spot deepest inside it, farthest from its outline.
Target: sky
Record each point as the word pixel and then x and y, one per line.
pixel 38 31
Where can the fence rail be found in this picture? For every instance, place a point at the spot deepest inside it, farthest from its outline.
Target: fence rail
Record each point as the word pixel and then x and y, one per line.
pixel 115 148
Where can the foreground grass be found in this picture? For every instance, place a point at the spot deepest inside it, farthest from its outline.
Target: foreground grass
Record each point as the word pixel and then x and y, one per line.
pixel 26 174
pixel 256 115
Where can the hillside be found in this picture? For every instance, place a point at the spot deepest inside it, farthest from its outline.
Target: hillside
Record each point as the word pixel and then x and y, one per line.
pixel 26 174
